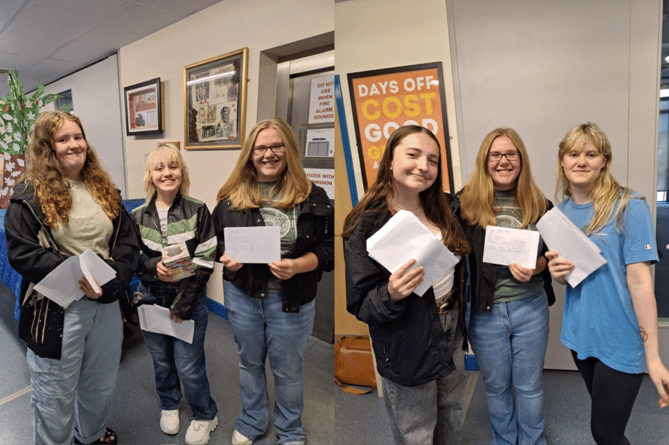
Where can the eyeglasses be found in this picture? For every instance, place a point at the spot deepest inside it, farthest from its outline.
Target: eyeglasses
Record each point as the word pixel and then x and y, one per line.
pixel 275 148
pixel 496 156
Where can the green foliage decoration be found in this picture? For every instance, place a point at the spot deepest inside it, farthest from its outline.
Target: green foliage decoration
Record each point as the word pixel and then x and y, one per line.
pixel 18 114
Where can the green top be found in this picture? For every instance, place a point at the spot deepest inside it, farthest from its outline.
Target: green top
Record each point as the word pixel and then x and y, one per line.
pixel 507 288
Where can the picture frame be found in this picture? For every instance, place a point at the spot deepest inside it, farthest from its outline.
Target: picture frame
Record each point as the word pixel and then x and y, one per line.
pixel 215 102
pixel 144 108
pixel 385 99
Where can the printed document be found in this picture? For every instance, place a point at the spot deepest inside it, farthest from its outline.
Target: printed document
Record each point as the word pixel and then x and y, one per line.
pixel 154 318
pixel 562 236
pixel 404 237
pixel 504 246
pixel 253 244
pixel 61 285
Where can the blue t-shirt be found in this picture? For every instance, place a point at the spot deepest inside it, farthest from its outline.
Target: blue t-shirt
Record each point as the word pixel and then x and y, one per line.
pixel 599 319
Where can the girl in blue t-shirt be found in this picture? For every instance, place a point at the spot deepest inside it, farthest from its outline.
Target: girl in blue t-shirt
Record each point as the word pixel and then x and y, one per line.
pixel 610 318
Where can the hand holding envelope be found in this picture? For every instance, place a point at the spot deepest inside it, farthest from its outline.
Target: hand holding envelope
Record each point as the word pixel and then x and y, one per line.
pixel 574 247
pixel 404 238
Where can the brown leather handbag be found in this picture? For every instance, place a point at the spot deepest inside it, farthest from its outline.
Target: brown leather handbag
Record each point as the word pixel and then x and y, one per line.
pixel 354 364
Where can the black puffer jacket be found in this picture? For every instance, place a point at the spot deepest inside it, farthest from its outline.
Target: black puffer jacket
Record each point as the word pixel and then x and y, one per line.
pixel 315 233
pixel 409 342
pixel 41 321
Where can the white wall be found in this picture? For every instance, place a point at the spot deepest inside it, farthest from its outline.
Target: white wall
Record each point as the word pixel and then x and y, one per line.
pixel 543 67
pixel 222 28
pixel 376 34
pixel 538 66
pixel 95 98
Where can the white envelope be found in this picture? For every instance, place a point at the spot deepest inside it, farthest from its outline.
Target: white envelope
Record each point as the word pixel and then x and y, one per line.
pixel 562 236
pixel 404 237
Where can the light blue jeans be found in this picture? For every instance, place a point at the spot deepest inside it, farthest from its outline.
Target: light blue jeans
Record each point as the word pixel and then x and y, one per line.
pixel 177 363
pixel 262 329
pixel 510 343
pixel 70 396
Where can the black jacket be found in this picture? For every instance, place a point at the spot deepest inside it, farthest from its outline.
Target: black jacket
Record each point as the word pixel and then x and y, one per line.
pixel 484 275
pixel 189 221
pixel 315 233
pixel 41 320
pixel 410 344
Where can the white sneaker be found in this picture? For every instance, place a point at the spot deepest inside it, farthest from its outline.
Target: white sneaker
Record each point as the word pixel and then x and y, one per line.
pixel 240 439
pixel 169 421
pixel 198 431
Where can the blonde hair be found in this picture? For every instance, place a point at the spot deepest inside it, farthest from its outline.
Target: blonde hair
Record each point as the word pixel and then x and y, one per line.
pixel 49 181
pixel 478 196
pixel 242 187
pixel 433 200
pixel 606 192
pixel 172 154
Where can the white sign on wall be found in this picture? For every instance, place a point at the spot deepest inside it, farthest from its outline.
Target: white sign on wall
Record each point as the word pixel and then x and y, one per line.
pixel 322 177
pixel 320 143
pixel 322 103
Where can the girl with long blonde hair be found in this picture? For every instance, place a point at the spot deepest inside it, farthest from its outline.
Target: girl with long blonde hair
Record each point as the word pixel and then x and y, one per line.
pixel 271 306
pixel 508 327
pixel 610 318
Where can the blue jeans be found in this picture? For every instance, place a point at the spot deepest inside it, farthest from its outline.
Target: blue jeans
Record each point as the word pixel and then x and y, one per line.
pixel 510 346
pixel 176 362
pixel 262 329
pixel 70 396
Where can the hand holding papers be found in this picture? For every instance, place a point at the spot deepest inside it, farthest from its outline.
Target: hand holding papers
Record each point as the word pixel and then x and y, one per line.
pixel 253 244
pixel 154 318
pixel 504 246
pixel 404 237
pixel 562 235
pixel 61 285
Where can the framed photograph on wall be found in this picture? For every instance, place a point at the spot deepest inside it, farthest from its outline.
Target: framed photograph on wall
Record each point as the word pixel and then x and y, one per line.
pixel 386 99
pixel 215 102
pixel 144 108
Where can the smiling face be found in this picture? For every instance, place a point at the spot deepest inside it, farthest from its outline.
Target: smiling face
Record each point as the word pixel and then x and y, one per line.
pixel 415 164
pixel 583 165
pixel 503 171
pixel 70 147
pixel 269 155
pixel 166 176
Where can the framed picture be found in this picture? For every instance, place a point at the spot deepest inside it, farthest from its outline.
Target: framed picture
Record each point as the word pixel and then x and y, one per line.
pixel 386 99
pixel 215 102
pixel 144 108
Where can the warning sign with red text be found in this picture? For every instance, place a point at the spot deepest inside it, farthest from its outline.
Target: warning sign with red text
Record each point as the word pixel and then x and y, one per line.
pixel 384 100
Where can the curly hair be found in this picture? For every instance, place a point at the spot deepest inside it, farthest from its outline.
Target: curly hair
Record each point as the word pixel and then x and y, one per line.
pixel 49 181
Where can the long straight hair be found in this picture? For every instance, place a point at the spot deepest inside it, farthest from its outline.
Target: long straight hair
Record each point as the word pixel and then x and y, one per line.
pixel 433 200
pixel 607 194
pixel 242 187
pixel 478 196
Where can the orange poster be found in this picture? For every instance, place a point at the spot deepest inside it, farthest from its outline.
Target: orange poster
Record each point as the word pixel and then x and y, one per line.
pixel 384 100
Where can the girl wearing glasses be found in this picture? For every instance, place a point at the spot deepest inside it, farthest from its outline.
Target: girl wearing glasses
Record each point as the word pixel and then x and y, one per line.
pixel 271 306
pixel 508 326
pixel 610 318
pixel 418 341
